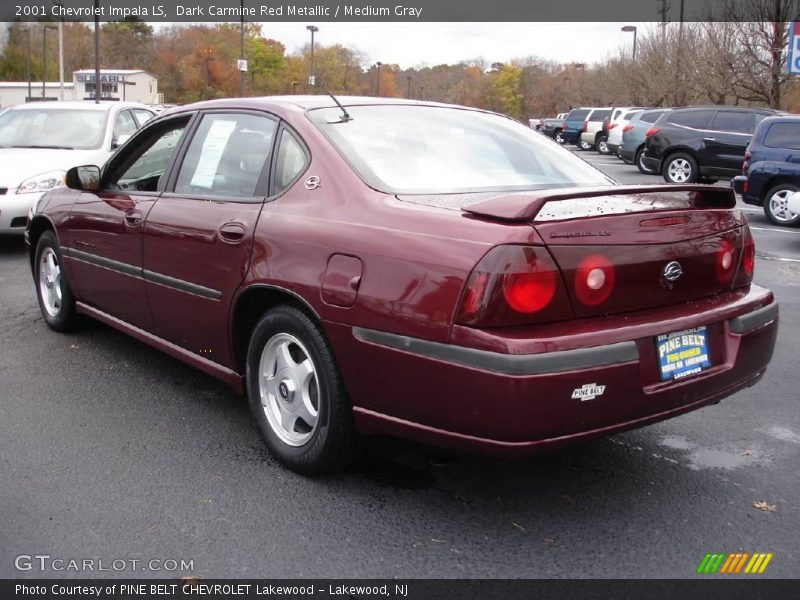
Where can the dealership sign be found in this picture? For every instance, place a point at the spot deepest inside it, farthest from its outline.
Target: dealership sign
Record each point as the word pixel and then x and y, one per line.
pixel 793 63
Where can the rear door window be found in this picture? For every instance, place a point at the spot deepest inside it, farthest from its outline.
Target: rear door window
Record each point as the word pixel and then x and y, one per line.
pixel 599 115
pixel 733 121
pixel 651 116
pixel 578 114
pixel 783 135
pixel 696 119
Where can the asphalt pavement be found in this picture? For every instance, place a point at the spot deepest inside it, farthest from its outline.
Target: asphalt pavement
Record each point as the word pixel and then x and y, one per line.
pixel 110 450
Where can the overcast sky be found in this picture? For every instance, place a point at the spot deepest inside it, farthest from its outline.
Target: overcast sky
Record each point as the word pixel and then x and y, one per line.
pixel 415 44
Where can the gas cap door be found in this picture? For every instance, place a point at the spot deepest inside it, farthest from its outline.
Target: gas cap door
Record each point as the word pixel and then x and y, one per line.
pixel 341 281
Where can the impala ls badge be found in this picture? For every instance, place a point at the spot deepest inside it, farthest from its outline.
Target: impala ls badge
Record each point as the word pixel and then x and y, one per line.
pixel 672 270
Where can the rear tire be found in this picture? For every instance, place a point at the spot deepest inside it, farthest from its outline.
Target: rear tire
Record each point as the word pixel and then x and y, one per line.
pixel 52 287
pixel 583 145
pixel 602 145
pixel 296 394
pixel 637 159
pixel 680 168
pixel 560 138
pixel 775 205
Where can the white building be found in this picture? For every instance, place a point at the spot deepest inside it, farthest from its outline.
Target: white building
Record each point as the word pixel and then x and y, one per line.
pixel 133 85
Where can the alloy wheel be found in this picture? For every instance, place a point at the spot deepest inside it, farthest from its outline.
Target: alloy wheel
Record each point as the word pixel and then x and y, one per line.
pixel 778 207
pixel 50 281
pixel 679 170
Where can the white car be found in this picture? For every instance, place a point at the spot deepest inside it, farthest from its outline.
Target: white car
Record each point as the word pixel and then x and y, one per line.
pixel 793 203
pixel 40 141
pixel 619 118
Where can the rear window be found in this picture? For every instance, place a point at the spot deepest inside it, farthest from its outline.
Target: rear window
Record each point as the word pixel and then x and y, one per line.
pixel 734 121
pixel 578 114
pixel 696 119
pixel 599 115
pixel 651 116
pixel 629 115
pixel 401 149
pixel 783 135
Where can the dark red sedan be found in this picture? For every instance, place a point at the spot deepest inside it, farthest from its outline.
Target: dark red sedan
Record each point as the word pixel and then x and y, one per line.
pixel 427 271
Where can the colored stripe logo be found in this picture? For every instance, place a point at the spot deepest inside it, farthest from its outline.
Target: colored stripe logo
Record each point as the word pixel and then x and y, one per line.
pixel 737 563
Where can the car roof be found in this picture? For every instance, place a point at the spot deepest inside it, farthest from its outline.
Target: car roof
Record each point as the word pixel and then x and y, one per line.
pixel 725 107
pixel 75 104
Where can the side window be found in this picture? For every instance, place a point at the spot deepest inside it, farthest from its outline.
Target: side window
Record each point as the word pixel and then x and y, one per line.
pixel 142 116
pixel 142 169
pixel 291 162
pixel 124 125
pixel 227 155
pixel 651 117
pixel 733 121
pixel 696 119
pixel 783 135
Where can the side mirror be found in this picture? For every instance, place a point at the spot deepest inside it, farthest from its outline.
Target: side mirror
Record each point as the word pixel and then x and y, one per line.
pixel 120 140
pixel 85 178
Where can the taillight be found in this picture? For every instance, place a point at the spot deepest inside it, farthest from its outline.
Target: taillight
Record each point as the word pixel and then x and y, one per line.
pixel 726 261
pixel 612 125
pixel 514 285
pixel 627 128
pixel 748 265
pixel 746 163
pixel 594 280
pixel 652 131
pixel 585 126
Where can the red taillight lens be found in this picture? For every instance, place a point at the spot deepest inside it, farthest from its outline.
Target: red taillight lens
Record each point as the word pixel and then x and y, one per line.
pixel 612 125
pixel 627 128
pixel 726 261
pixel 514 285
pixel 594 280
pixel 651 131
pixel 585 126
pixel 746 163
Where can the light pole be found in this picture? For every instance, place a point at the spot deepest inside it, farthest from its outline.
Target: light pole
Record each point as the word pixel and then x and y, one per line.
pixel 97 85
pixel 312 79
pixel 206 59
pixel 408 94
pixel 44 57
pixel 631 29
pixel 379 64
pixel 241 49
pixel 28 62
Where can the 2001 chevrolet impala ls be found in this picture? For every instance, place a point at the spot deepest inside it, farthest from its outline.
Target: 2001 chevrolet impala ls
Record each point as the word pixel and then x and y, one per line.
pixel 444 274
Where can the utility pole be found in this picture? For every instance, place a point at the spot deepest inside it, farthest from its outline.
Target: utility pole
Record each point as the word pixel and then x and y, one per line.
pixel 97 85
pixel 378 83
pixel 408 94
pixel 44 58
pixel 28 62
pixel 312 78
pixel 241 49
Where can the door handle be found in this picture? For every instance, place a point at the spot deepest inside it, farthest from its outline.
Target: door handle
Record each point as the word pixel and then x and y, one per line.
pixel 133 218
pixel 232 232
pixel 709 139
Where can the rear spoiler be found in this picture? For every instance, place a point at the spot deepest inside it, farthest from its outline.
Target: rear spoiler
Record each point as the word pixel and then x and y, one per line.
pixel 525 206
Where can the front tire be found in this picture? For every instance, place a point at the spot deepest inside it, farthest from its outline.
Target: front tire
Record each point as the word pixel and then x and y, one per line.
pixel 56 301
pixel 296 394
pixel 584 145
pixel 560 138
pixel 680 168
pixel 602 145
pixel 775 208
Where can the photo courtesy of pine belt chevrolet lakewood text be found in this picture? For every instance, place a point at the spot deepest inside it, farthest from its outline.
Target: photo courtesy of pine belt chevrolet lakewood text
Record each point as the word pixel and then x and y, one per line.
pixel 363 266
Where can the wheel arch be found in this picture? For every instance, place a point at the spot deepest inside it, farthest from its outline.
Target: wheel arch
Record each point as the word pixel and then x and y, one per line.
pixel 36 228
pixel 248 307
pixel 770 183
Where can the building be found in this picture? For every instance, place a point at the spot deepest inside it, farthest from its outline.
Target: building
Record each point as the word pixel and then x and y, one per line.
pixel 133 85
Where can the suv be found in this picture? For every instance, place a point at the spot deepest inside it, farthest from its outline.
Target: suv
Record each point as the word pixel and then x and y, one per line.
pixel 613 131
pixel 593 134
pixel 702 143
pixel 573 124
pixel 771 169
pixel 632 148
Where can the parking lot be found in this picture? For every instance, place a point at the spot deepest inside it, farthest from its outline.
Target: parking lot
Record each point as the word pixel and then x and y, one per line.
pixel 109 449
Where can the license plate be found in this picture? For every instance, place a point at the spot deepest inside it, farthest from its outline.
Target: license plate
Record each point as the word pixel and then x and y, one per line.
pixel 683 353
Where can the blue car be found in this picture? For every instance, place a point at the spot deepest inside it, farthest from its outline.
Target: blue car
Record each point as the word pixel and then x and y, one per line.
pixel 771 169
pixel 573 124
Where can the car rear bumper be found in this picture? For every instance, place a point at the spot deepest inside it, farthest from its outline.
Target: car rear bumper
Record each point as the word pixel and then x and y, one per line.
pixel 739 184
pixel 654 164
pixel 626 155
pixel 516 402
pixel 613 148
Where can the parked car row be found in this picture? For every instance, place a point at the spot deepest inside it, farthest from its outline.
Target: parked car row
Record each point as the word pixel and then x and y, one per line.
pixel 758 148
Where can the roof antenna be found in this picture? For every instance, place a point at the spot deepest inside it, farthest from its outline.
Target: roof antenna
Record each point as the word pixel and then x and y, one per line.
pixel 345 115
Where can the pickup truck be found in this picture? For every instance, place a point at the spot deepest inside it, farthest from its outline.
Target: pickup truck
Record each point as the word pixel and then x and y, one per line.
pixel 553 128
pixel 771 169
